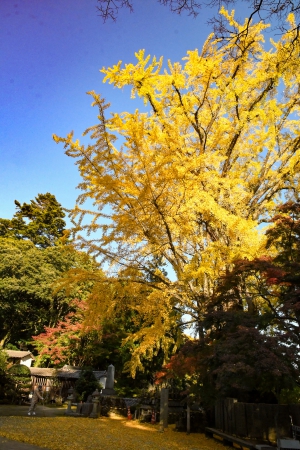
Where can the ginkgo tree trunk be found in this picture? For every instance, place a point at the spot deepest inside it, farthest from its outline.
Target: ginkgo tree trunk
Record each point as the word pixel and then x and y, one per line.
pixel 194 173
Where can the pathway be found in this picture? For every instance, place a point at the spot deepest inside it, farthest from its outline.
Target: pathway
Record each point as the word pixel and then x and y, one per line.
pixel 11 410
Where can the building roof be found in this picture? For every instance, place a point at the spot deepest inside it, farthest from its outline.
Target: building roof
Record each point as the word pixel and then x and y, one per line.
pixel 65 372
pixel 18 354
pixel 42 372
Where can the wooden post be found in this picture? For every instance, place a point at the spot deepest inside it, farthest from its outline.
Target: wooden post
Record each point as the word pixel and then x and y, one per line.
pixel 188 416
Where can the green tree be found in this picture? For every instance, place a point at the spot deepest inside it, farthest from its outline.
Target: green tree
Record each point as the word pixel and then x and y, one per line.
pixel 34 254
pixel 22 290
pixel 28 299
pixel 6 382
pixel 3 359
pixel 86 384
pixel 40 221
pixel 21 378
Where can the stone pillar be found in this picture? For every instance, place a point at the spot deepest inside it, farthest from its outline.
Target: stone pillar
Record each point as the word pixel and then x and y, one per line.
pixel 164 410
pixel 110 381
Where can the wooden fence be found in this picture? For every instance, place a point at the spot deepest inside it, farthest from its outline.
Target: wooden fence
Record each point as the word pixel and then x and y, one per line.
pixel 256 421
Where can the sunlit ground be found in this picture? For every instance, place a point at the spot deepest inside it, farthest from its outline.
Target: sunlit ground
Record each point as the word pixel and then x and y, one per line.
pixel 65 433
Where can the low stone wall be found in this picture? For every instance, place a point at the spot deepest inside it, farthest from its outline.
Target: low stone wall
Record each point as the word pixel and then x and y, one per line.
pixel 112 404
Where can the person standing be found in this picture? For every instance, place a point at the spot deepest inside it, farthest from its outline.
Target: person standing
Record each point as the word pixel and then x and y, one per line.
pixel 35 398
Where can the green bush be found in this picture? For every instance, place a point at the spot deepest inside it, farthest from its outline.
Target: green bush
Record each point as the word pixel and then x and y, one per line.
pixel 21 379
pixel 86 384
pixel 290 396
pixel 6 387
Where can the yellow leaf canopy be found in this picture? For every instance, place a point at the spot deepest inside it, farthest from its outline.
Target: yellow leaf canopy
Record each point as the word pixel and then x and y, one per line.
pixel 196 172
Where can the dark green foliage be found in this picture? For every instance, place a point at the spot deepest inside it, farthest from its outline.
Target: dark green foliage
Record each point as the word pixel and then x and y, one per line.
pixel 254 321
pixel 3 359
pixel 32 258
pixel 101 351
pixel 86 384
pixel 27 277
pixel 40 221
pixel 6 382
pixel 6 387
pixel 21 378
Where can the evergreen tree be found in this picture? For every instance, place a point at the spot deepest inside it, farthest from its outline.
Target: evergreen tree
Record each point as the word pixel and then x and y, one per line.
pixel 40 221
pixel 31 262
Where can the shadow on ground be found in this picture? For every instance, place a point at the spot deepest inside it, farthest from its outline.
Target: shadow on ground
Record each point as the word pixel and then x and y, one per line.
pixel 41 410
pixel 6 444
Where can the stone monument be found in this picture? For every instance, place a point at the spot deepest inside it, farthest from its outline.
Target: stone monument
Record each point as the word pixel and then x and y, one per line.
pixel 110 381
pixel 164 410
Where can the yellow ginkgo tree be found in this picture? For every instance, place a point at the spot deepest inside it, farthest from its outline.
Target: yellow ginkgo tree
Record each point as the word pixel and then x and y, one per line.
pixel 187 180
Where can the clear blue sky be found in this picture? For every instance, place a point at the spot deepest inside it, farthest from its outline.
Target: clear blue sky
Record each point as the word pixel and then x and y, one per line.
pixel 51 53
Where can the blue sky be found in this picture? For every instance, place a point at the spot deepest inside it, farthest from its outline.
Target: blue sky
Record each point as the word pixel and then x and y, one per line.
pixel 51 54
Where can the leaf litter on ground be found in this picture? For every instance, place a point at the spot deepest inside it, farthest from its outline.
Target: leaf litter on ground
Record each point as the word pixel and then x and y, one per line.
pixel 63 433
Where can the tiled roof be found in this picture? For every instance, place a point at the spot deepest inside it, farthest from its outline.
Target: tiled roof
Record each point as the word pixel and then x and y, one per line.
pixel 42 372
pixel 69 372
pixel 18 354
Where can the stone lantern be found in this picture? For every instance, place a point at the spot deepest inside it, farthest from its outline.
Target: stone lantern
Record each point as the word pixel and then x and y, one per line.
pixel 95 400
pixel 70 399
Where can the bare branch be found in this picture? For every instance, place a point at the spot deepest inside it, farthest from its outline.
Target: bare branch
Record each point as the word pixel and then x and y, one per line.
pixel 192 7
pixel 274 11
pixel 109 9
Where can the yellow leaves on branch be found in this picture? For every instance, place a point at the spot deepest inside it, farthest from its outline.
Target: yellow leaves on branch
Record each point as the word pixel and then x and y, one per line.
pixel 193 176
